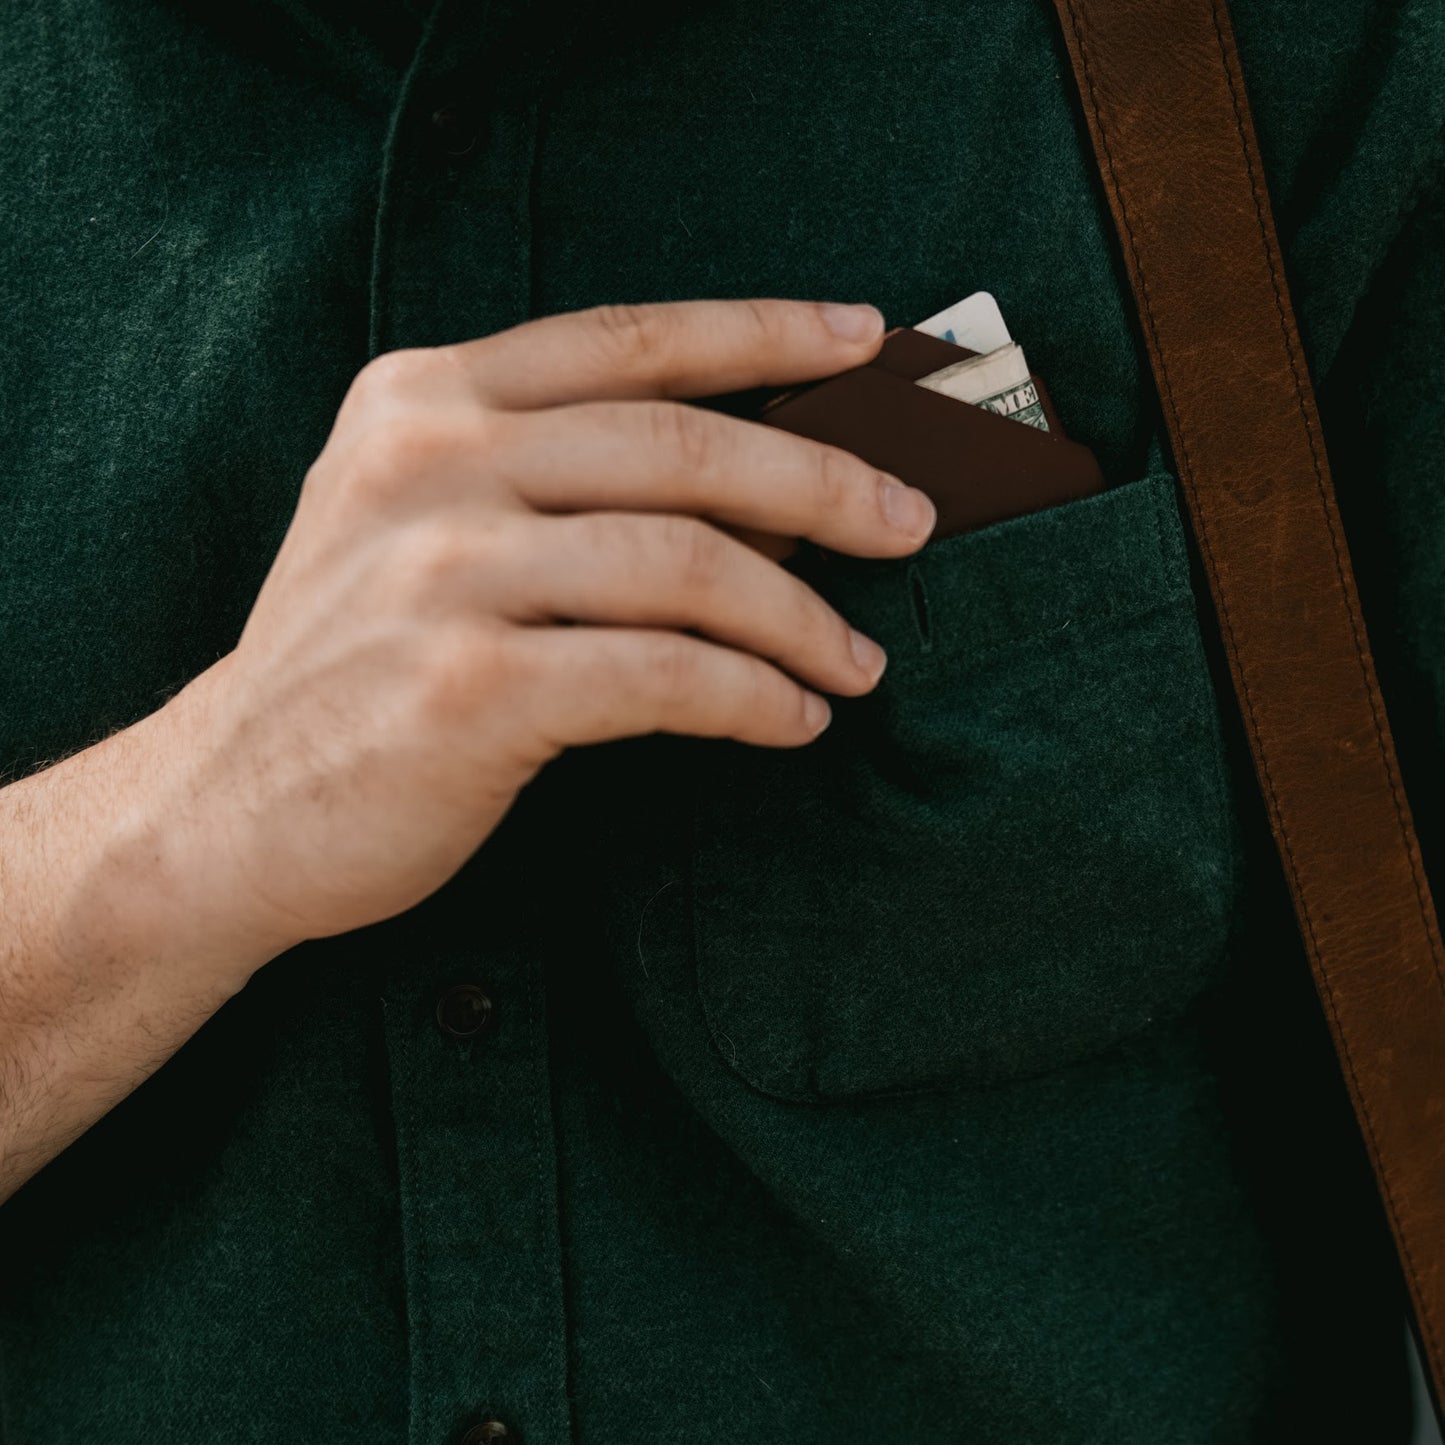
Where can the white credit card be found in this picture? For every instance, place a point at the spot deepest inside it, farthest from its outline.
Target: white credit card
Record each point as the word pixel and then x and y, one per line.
pixel 975 322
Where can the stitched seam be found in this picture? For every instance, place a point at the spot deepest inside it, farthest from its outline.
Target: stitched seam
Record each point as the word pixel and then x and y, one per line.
pixel 1206 544
pixel 1093 602
pixel 541 1040
pixel 382 241
pixel 1356 622
pixel 1224 801
pixel 1073 624
pixel 1165 553
pixel 421 1317
pixel 1355 628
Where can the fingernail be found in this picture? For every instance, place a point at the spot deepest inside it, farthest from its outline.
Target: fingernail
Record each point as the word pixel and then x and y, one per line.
pixel 816 712
pixel 907 508
pixel 853 323
pixel 867 654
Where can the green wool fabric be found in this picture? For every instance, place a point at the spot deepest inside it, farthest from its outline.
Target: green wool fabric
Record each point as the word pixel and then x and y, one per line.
pixel 956 1078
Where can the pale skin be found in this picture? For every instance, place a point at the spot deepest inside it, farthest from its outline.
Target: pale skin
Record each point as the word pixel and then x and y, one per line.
pixel 507 547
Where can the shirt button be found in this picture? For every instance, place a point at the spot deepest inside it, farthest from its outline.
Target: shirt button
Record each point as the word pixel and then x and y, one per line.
pixel 463 1012
pixel 458 126
pixel 489 1431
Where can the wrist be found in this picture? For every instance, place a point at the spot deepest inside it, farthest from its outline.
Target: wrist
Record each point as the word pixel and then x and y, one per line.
pixel 164 885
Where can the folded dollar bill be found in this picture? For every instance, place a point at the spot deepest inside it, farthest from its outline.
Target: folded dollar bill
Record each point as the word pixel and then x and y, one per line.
pixel 998 381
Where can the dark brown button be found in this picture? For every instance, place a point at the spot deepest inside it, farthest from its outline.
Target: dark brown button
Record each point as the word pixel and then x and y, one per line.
pixel 488 1431
pixel 463 1011
pixel 458 125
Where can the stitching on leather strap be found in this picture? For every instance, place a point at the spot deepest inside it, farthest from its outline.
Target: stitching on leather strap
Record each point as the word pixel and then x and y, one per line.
pixel 1356 628
pixel 1207 548
pixel 1186 468
pixel 1356 621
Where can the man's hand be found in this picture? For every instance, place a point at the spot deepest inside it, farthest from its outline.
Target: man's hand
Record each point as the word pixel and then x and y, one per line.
pixel 410 662
pixel 506 547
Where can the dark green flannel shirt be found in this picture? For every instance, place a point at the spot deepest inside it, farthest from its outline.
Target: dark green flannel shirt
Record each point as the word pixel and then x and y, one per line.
pixel 956 1078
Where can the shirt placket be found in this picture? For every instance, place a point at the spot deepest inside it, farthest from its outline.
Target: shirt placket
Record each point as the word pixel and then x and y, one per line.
pixel 465 1022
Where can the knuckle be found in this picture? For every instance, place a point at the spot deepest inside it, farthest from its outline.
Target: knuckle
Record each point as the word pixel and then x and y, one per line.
pixel 393 453
pixel 675 672
pixel 510 665
pixel 418 441
pixel 463 669
pixel 768 698
pixel 451 678
pixel 622 539
pixel 682 432
pixel 814 622
pixel 627 335
pixel 759 703
pixel 767 317
pixel 837 478
pixel 394 374
pixel 429 564
pixel 697 549
pixel 448 363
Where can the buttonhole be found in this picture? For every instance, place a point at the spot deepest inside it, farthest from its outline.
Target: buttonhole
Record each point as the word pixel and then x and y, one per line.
pixel 921 619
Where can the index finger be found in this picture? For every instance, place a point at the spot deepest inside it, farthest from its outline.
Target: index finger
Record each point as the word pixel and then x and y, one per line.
pixel 667 349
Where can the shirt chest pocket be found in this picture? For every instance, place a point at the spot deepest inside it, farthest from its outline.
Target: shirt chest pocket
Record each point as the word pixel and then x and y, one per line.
pixel 1018 849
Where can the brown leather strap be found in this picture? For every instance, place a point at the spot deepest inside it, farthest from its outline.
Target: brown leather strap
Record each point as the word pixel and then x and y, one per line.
pixel 1166 108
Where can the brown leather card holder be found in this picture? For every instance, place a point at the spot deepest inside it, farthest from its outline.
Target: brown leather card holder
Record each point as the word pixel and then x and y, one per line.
pixel 975 466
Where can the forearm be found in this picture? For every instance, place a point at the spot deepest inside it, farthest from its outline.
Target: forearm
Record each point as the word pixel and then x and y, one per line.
pixel 399 678
pixel 114 944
